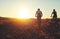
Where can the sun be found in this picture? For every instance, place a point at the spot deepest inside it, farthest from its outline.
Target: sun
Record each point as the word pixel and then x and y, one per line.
pixel 24 13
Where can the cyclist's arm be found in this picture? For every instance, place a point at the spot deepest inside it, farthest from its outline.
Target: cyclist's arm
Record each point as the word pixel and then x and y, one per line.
pixel 51 14
pixel 36 14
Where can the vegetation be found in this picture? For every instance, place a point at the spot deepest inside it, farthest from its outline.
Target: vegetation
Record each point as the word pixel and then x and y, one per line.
pixel 12 28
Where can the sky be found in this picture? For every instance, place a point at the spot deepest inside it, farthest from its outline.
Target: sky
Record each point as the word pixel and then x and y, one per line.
pixel 12 8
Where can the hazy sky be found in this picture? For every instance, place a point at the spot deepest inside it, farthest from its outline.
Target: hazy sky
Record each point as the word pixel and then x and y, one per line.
pixel 11 8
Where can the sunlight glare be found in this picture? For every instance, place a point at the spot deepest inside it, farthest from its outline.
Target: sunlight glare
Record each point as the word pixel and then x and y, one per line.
pixel 24 13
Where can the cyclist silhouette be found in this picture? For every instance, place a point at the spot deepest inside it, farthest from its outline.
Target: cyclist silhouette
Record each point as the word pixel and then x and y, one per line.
pixel 54 15
pixel 38 15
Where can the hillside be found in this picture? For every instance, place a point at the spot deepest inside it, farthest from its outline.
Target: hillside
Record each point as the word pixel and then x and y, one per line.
pixel 13 28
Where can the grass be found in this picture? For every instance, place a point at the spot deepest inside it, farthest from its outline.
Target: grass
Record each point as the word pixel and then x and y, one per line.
pixel 12 28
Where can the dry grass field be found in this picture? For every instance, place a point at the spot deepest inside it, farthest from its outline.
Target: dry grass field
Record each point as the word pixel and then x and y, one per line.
pixel 12 28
